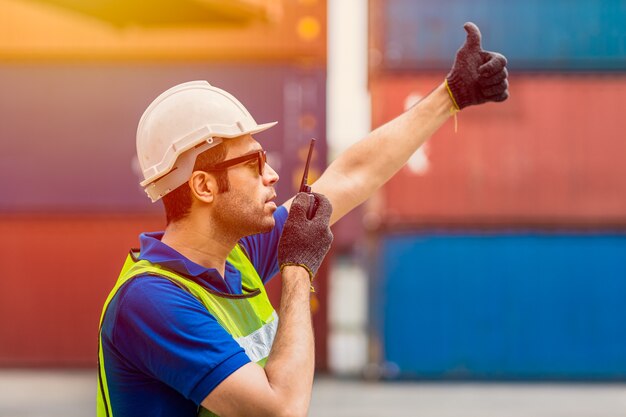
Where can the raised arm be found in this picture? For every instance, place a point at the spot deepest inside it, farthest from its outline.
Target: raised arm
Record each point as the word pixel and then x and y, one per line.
pixel 477 76
pixel 371 162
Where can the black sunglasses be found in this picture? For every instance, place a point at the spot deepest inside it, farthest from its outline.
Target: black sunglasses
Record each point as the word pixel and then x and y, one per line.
pixel 260 155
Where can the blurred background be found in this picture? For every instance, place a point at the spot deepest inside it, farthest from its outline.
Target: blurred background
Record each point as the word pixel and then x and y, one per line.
pixel 496 256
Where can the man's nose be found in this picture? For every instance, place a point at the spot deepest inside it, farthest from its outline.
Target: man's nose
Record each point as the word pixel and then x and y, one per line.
pixel 270 176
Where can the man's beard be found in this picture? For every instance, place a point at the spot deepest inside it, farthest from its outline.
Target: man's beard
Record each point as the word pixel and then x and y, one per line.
pixel 239 216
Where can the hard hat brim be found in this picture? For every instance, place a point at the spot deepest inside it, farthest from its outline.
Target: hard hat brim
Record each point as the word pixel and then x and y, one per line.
pixel 262 127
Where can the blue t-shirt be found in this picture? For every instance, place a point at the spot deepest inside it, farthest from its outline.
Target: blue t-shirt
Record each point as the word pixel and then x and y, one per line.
pixel 163 351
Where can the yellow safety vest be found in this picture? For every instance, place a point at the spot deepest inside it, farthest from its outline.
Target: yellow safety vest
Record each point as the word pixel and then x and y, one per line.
pixel 249 317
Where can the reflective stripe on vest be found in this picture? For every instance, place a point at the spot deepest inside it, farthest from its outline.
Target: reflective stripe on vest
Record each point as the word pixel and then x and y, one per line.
pixel 259 343
pixel 248 317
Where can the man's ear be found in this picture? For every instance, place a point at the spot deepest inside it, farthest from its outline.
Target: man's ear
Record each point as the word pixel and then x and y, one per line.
pixel 203 186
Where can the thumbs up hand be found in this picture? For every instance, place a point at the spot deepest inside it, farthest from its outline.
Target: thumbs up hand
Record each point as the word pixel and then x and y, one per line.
pixel 477 76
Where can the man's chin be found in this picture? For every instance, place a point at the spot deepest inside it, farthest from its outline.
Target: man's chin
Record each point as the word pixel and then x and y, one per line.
pixel 269 225
pixel 265 225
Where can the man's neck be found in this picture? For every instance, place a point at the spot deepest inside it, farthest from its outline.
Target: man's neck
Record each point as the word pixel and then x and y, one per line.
pixel 201 245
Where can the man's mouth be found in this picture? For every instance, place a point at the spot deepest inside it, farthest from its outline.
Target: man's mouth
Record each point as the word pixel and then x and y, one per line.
pixel 270 200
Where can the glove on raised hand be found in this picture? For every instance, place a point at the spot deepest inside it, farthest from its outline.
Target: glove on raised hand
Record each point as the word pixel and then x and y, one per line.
pixel 477 76
pixel 305 242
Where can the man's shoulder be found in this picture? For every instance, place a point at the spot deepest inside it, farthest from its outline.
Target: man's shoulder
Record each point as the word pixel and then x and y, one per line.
pixel 146 296
pixel 148 286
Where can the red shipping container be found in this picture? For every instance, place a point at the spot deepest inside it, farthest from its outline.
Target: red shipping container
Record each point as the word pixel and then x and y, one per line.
pixel 553 154
pixel 56 273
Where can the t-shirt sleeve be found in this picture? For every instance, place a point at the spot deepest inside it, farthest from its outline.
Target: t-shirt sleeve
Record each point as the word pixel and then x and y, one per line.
pixel 167 333
pixel 263 247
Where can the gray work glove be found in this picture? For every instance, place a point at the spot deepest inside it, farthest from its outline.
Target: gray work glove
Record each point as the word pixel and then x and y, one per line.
pixel 305 242
pixel 477 76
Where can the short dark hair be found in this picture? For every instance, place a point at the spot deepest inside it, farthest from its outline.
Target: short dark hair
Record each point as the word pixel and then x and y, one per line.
pixel 177 203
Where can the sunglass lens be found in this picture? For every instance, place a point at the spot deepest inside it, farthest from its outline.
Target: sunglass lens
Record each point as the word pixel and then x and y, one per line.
pixel 262 161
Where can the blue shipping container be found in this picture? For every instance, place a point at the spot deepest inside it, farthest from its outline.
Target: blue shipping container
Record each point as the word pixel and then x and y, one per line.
pixel 534 34
pixel 501 307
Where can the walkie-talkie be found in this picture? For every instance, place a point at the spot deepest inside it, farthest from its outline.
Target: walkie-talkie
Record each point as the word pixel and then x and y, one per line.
pixel 304 188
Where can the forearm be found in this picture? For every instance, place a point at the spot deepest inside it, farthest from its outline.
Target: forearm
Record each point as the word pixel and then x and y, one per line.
pixel 283 387
pixel 290 365
pixel 369 163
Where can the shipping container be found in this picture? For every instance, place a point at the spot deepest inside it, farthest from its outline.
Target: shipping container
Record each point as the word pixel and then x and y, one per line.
pixel 68 131
pixel 502 306
pixel 56 273
pixel 553 154
pixel 250 31
pixel 560 35
pixel 70 194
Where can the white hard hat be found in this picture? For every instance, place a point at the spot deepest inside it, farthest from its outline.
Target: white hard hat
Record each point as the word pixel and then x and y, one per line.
pixel 181 123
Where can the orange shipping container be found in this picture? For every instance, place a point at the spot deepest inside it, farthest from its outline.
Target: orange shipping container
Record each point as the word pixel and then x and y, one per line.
pixel 56 273
pixel 554 153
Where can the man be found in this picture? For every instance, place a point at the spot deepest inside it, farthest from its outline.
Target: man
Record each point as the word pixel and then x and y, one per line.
pixel 188 327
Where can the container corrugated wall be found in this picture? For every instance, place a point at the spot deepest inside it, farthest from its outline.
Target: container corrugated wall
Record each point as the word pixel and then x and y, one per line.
pixel 501 247
pixel 71 208
pixel 57 271
pixel 74 126
pixel 504 305
pixel 559 35
pixel 553 153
